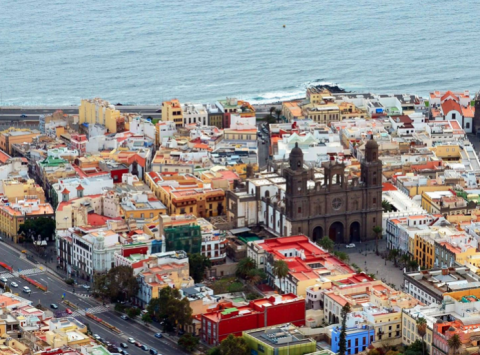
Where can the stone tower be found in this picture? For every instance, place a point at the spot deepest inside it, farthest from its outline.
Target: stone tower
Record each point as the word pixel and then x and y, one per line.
pixel 297 176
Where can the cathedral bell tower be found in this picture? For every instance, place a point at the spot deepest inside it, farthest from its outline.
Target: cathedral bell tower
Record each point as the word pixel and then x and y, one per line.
pixel 372 166
pixel 296 205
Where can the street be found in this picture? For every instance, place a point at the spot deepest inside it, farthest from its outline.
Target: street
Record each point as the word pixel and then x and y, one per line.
pixel 81 298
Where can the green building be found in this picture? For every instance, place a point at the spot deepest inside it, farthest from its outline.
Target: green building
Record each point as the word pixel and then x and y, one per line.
pixel 279 340
pixel 187 237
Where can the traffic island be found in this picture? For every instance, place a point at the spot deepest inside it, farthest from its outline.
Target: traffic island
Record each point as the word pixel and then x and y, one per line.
pixel 34 283
pixel 102 322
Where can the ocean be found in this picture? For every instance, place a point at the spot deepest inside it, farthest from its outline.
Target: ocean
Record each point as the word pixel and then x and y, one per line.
pixel 57 52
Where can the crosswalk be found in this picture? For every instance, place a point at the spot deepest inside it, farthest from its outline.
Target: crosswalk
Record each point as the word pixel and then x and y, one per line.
pixel 33 271
pixel 91 310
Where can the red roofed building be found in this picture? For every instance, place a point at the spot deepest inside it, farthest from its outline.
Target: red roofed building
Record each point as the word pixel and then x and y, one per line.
pixel 453 106
pixel 226 319
pixel 307 262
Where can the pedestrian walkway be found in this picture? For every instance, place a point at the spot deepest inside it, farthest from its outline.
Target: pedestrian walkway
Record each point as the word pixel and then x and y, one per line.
pixel 91 310
pixel 6 274
pixel 33 271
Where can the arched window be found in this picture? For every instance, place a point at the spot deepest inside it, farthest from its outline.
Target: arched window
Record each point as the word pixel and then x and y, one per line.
pixel 267 194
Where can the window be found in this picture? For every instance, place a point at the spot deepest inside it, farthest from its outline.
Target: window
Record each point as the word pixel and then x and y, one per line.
pixel 299 209
pixel 467 125
pixel 454 115
pixel 374 200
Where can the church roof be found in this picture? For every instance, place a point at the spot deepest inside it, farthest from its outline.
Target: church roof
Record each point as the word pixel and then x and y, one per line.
pixel 296 151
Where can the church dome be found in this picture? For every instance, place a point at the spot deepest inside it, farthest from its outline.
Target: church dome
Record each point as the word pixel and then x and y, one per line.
pixel 371 144
pixel 296 151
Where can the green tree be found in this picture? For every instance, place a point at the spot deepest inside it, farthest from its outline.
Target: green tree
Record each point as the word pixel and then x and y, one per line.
pixel 233 345
pixel 179 312
pixel 198 264
pixel 342 256
pixel 278 112
pixel 387 206
pixel 280 270
pixel 119 284
pixel 147 318
pixel 343 333
pixel 405 259
pixel 133 312
pixel 43 227
pixel 272 110
pixel 326 243
pixel 188 342
pixel 422 330
pixel 255 276
pixel 214 351
pixel 158 307
pixel 244 267
pixel 378 235
pixel 413 265
pixel 414 349
pixel 455 343
pixel 393 255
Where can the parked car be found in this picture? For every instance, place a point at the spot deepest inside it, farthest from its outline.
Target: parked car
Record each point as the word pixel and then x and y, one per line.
pixel 138 344
pixel 3 279
pixel 96 336
pixel 68 311
pixel 26 289
pixel 13 284
pixel 144 348
pixel 131 340
pixel 153 352
pixel 124 317
pixel 124 345
pixel 53 306
pixel 351 245
pixel 158 335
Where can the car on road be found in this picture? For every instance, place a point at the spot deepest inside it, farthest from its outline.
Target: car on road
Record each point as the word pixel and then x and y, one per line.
pixel 23 115
pixel 124 317
pixel 137 344
pixel 158 335
pixel 53 306
pixel 153 352
pixel 351 245
pixel 144 348
pixel 26 289
pixel 107 343
pixel 96 336
pixel 86 287
pixel 125 352
pixel 3 279
pixel 124 345
pixel 68 311
pixel 131 340
pixel 13 284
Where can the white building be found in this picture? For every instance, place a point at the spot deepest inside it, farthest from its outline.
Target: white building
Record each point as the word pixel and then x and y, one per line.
pixel 213 242
pixel 194 114
pixel 91 185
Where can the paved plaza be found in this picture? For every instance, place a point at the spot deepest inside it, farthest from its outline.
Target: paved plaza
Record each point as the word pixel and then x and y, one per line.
pixel 363 255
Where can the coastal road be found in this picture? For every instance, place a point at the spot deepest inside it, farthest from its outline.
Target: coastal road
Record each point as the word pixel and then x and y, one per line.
pixel 81 298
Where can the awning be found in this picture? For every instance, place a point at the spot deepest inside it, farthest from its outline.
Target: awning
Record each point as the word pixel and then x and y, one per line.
pixel 240 230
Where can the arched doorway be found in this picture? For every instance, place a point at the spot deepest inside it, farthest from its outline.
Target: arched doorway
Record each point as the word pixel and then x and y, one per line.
pixel 336 232
pixel 354 232
pixel 317 234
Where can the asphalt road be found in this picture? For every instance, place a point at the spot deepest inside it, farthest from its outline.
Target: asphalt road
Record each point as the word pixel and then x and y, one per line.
pixel 263 149
pixel 57 287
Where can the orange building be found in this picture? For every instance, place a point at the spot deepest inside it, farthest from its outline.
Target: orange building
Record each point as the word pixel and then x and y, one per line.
pixel 16 135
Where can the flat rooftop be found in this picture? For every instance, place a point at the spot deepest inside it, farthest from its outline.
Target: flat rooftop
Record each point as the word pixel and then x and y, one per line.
pixel 280 337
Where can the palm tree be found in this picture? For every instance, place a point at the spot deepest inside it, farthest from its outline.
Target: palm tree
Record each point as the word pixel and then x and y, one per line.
pixel 455 343
pixel 393 255
pixel 422 330
pixel 272 110
pixel 386 206
pixel 280 270
pixel 405 259
pixel 244 267
pixel 378 234
pixel 413 264
pixel 278 112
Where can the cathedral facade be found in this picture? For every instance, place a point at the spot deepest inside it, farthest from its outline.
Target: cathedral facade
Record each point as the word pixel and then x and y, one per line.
pixel 346 209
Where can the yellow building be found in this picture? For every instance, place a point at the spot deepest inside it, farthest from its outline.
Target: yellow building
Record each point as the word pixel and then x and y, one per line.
pixel 172 111
pixel 240 135
pixel 291 110
pixel 15 214
pixel 18 189
pixel 424 250
pixel 241 169
pixel 349 110
pixel 16 135
pixel 98 111
pixel 448 152
pixel 410 332
pixel 446 203
pixel 321 107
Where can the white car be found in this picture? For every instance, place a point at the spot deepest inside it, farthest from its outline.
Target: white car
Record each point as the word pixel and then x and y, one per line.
pixel 96 336
pixel 13 284
pixel 3 279
pixel 351 245
pixel 26 289
pixel 131 340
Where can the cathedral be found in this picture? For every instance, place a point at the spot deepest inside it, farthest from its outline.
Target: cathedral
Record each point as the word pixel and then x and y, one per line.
pixel 344 208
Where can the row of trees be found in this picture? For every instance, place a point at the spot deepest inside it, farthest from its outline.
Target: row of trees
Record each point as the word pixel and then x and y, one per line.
pixel 118 284
pixel 395 255
pixel 33 229
pixel 231 345
pixel 247 270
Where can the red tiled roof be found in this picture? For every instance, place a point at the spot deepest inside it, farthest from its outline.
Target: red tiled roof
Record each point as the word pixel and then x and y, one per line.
pixel 451 105
pixel 95 219
pixel 447 94
pixel 4 157
pixel 386 186
pixel 65 191
pixel 80 187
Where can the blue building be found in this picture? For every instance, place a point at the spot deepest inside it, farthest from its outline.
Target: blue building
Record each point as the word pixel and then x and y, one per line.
pixel 358 338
